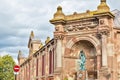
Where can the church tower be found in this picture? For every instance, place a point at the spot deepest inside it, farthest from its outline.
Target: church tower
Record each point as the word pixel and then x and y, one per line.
pixel 21 58
pixel 33 44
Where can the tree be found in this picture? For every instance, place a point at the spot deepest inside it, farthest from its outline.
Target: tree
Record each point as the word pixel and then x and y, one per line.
pixel 6 67
pixel 1 67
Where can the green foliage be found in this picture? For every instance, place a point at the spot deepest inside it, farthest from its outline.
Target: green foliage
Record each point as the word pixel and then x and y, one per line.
pixel 6 68
pixel 65 79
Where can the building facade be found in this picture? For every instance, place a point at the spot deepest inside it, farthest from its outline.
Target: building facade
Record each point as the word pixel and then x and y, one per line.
pixel 86 46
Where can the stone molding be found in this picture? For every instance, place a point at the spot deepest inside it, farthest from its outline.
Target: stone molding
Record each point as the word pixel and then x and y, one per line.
pixel 89 38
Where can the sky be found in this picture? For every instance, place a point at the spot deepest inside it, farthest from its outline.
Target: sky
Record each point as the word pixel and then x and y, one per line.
pixel 19 17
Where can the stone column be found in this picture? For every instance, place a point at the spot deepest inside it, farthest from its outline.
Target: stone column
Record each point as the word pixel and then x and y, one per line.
pixel 59 39
pixel 104 71
pixel 104 50
pixel 59 53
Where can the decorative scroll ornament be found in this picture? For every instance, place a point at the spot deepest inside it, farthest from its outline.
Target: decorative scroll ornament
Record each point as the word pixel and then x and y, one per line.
pixel 80 26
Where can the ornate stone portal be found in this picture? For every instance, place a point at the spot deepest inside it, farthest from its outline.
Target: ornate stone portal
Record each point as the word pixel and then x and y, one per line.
pixel 90 32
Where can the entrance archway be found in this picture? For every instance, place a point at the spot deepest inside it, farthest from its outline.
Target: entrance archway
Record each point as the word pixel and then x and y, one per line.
pixel 91 60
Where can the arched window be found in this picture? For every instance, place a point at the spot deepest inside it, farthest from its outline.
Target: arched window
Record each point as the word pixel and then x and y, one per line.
pixel 43 65
pixel 37 68
pixel 51 61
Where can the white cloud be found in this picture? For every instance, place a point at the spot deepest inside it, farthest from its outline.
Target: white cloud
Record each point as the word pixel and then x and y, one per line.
pixel 19 17
pixel 3 53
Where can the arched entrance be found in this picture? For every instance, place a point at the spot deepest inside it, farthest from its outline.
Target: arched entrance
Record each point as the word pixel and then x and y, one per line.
pixel 73 57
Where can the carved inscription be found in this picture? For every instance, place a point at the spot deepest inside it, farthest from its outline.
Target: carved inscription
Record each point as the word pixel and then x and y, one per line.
pixel 80 26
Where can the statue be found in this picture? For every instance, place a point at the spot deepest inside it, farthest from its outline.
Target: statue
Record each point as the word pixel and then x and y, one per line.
pixel 82 60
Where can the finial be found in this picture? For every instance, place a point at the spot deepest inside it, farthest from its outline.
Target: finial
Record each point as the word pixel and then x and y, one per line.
pixel 103 7
pixel 74 13
pixel 32 34
pixel 103 1
pixel 59 8
pixel 47 40
pixel 41 45
pixel 88 11
pixel 59 14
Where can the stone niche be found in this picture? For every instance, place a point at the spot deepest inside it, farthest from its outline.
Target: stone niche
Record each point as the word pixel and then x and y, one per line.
pixel 91 59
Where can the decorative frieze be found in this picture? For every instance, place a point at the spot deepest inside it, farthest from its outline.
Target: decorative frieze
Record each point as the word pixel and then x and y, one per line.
pixel 81 25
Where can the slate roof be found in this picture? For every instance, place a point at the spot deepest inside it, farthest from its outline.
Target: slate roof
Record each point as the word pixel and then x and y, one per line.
pixel 117 18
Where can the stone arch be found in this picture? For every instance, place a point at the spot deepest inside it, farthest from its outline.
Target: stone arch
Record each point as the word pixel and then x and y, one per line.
pixel 94 61
pixel 89 38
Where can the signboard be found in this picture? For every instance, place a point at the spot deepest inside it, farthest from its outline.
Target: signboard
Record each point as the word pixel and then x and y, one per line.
pixel 16 68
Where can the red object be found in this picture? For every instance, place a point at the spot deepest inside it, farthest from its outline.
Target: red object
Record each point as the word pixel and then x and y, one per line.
pixel 16 68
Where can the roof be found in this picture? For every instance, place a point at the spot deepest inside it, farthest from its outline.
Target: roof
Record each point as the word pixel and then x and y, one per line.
pixel 117 18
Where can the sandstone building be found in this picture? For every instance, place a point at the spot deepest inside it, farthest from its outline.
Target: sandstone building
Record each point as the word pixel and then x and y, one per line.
pixel 95 33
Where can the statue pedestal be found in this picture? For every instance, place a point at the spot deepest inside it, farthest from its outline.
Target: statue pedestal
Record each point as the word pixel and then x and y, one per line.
pixel 105 73
pixel 81 75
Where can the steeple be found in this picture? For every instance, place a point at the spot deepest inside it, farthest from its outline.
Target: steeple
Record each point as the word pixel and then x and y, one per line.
pixel 33 43
pixel 21 58
pixel 103 7
pixel 32 34
pixel 20 54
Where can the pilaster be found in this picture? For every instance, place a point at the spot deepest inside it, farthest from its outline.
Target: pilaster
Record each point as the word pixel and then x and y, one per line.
pixel 59 50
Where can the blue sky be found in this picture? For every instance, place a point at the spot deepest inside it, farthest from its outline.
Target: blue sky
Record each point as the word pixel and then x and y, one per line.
pixel 19 17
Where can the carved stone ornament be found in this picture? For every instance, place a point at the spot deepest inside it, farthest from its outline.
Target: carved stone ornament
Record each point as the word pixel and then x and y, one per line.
pixel 60 37
pixel 101 22
pixel 80 26
pixel 56 28
pixel 99 34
